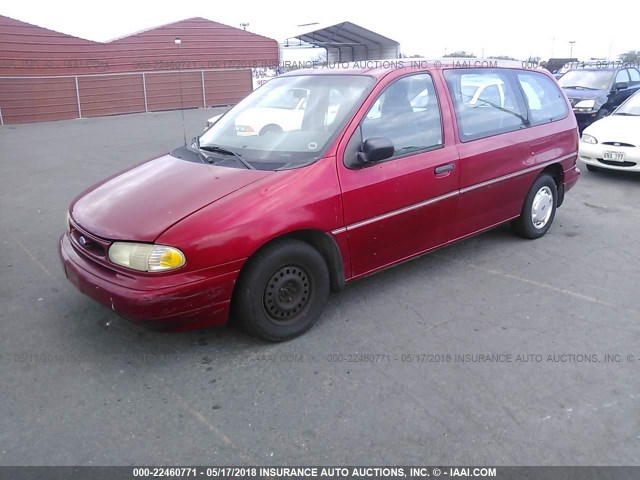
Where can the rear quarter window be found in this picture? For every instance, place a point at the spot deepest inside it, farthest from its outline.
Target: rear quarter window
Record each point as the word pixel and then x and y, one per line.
pixel 545 101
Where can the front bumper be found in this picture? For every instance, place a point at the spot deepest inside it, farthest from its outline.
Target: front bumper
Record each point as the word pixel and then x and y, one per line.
pixel 592 154
pixel 199 303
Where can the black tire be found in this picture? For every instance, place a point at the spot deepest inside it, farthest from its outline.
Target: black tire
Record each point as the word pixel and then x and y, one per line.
pixel 282 290
pixel 524 225
pixel 271 130
pixel 592 168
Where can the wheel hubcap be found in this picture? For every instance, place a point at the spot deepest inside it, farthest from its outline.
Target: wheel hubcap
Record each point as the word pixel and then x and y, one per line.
pixel 286 294
pixel 542 207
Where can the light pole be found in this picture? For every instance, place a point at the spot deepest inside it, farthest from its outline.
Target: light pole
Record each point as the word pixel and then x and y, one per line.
pixel 571 42
pixel 178 42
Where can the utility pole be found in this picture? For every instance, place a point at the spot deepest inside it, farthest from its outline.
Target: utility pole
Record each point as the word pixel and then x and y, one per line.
pixel 178 41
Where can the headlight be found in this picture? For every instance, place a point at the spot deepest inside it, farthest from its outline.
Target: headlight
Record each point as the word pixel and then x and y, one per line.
pixel 585 104
pixel 244 129
pixel 146 257
pixel 588 139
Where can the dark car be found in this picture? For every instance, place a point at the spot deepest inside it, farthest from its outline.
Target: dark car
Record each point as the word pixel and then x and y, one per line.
pixel 554 65
pixel 595 92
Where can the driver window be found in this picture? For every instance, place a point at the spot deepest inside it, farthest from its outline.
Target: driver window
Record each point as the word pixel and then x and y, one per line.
pixel 407 113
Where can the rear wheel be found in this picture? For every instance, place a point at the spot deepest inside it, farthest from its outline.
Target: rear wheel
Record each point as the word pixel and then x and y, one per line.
pixel 282 291
pixel 539 208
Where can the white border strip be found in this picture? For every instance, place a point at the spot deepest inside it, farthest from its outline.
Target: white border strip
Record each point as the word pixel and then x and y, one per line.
pixel 415 206
pixel 516 174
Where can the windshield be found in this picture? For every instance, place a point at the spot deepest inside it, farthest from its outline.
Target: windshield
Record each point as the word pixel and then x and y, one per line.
pixel 630 107
pixel 589 79
pixel 285 98
pixel 289 121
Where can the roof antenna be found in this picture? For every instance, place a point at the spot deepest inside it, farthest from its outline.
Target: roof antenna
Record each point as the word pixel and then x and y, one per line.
pixel 178 41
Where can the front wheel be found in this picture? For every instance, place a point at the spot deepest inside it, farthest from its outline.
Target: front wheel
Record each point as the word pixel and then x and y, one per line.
pixel 539 209
pixel 282 291
pixel 271 130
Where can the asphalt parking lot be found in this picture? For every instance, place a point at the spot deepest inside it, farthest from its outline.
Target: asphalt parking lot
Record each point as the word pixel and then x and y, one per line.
pixel 79 386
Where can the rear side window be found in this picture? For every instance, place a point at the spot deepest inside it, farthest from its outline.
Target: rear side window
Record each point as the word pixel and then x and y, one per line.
pixel 634 75
pixel 545 100
pixel 622 76
pixel 486 102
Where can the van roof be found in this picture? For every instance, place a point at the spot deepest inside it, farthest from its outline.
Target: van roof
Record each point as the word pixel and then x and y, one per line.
pixel 595 69
pixel 379 68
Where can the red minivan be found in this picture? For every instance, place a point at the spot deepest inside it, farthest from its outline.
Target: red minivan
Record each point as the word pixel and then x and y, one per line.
pixel 357 171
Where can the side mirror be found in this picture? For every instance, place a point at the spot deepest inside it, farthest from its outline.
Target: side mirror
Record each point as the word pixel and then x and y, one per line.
pixel 621 85
pixel 375 149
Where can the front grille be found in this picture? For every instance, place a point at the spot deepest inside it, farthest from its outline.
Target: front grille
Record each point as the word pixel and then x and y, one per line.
pixel 617 164
pixel 618 144
pixel 88 245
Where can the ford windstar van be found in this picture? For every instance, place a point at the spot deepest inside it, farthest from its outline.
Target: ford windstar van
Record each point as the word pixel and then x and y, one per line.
pixel 259 220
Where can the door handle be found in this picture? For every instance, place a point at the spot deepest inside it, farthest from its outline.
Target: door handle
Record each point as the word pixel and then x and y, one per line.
pixel 444 169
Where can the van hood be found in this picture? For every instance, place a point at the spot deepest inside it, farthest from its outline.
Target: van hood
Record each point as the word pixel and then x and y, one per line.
pixel 141 203
pixel 584 93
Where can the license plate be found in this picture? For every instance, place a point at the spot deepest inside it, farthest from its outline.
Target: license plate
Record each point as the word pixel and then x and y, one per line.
pixel 613 156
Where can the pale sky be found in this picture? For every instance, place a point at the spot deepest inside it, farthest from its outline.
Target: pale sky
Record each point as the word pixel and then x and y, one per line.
pixel 519 29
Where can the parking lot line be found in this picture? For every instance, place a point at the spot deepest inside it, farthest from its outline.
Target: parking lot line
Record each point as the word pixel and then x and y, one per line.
pixel 33 257
pixel 205 421
pixel 562 291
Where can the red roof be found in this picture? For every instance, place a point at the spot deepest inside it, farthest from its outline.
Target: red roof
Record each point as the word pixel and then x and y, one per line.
pixel 30 50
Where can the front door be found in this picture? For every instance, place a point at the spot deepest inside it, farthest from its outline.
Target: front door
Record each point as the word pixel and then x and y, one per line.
pixel 403 205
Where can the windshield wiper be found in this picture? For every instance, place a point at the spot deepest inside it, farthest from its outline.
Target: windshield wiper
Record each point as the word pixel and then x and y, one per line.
pixel 502 109
pixel 580 87
pixel 223 151
pixel 203 157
